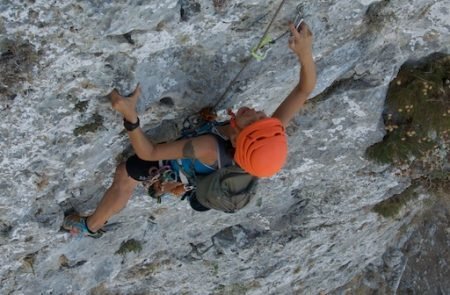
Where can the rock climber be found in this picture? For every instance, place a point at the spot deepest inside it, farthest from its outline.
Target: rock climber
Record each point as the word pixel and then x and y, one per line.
pixel 258 141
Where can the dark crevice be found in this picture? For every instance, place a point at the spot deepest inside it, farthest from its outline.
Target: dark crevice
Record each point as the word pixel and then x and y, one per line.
pixel 340 85
pixel 167 101
pixel 188 9
pixel 127 37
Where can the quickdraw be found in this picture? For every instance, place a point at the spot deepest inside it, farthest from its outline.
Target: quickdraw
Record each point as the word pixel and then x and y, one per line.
pixel 260 51
pixel 265 39
pixel 163 181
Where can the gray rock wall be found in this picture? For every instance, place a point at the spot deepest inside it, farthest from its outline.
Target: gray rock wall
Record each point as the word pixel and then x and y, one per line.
pixel 310 229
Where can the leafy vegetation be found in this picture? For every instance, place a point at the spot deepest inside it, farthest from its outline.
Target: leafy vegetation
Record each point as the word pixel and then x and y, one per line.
pixel 131 245
pixel 82 106
pixel 95 123
pixel 417 122
pixel 417 113
pixel 392 206
pixel 17 60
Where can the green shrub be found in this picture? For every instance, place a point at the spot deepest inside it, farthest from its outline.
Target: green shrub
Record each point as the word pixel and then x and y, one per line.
pixel 95 123
pixel 417 112
pixel 131 245
pixel 391 207
pixel 417 122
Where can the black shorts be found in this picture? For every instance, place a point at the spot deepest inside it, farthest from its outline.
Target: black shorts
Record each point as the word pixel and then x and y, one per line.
pixel 138 169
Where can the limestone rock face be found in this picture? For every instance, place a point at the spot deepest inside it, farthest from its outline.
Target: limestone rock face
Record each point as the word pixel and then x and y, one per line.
pixel 310 229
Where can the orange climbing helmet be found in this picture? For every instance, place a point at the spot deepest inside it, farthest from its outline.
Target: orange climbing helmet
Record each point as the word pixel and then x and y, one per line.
pixel 261 147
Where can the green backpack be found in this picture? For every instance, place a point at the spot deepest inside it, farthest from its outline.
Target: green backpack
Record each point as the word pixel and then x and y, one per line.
pixel 228 189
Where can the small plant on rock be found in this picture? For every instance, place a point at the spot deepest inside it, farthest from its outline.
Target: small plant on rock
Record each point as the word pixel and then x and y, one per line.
pixel 417 123
pixel 131 245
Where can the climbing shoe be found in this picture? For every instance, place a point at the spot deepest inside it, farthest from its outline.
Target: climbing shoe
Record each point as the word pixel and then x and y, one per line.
pixel 77 226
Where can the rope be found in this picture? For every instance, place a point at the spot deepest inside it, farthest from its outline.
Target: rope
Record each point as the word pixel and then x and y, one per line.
pixel 231 83
pixel 270 24
pixel 261 41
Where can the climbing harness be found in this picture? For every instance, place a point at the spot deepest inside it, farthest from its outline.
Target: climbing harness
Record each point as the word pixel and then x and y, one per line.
pixel 163 181
pixel 173 177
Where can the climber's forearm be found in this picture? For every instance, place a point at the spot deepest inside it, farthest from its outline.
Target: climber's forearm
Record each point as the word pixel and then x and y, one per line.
pixel 296 99
pixel 142 145
pixel 307 75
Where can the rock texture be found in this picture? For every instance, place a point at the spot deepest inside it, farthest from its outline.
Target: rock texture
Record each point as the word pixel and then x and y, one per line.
pixel 418 264
pixel 309 230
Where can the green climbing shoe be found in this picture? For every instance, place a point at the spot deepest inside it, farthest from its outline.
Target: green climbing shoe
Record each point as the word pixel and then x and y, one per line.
pixel 77 226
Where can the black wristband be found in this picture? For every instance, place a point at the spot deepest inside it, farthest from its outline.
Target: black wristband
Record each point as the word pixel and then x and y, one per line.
pixel 130 126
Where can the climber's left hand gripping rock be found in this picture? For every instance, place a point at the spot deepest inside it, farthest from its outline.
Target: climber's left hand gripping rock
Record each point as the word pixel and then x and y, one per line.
pixel 126 105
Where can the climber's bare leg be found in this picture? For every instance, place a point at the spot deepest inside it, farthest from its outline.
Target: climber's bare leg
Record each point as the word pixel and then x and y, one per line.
pixel 114 199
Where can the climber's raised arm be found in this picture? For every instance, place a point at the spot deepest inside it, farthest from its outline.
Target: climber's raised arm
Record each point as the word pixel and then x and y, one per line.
pixel 301 44
pixel 203 148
